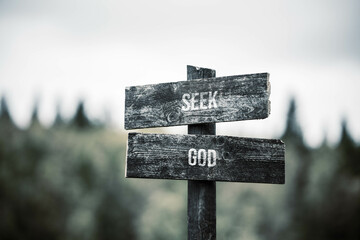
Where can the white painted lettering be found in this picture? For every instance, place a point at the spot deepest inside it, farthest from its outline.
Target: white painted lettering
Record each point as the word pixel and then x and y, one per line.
pixel 201 157
pixel 192 157
pixel 211 158
pixel 193 101
pixel 199 101
pixel 202 100
pixel 185 99
pixel 212 99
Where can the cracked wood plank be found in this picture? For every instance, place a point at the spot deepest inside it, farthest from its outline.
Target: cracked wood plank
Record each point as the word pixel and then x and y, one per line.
pixel 205 157
pixel 209 100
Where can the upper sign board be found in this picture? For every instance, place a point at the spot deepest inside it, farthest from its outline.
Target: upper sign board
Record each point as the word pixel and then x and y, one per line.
pixel 221 99
pixel 205 157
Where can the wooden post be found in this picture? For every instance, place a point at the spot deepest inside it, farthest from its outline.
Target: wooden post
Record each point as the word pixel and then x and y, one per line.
pixel 201 194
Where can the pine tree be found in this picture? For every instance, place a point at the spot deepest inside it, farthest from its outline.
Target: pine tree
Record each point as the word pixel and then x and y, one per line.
pixel 350 157
pixel 302 160
pixel 292 130
pixel 35 122
pixel 80 119
pixel 4 112
pixel 5 117
pixel 58 121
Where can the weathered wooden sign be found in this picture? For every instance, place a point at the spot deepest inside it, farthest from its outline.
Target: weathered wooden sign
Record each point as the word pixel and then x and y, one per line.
pixel 202 157
pixel 221 99
pixel 205 157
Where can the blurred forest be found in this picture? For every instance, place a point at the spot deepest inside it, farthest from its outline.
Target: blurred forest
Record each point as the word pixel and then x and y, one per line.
pixel 67 182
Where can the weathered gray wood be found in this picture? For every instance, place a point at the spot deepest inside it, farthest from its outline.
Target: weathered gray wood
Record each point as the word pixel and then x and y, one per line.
pixel 201 210
pixel 201 194
pixel 166 156
pixel 210 100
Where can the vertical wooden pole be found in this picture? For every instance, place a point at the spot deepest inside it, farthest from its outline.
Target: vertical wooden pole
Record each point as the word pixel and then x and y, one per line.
pixel 201 194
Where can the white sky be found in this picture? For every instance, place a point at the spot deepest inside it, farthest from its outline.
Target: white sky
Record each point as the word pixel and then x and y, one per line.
pixel 66 50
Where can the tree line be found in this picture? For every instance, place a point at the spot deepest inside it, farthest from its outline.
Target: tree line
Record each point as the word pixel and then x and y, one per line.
pixel 80 120
pixel 66 182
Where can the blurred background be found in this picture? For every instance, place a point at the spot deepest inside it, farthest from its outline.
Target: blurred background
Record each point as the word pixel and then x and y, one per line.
pixel 64 66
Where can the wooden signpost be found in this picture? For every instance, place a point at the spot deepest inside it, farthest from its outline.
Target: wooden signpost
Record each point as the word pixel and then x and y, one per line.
pixel 201 157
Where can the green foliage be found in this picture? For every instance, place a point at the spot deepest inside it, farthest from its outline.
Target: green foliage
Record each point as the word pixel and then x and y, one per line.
pixel 321 198
pixel 59 184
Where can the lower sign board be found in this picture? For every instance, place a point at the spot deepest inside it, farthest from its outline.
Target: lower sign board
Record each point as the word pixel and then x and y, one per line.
pixel 205 157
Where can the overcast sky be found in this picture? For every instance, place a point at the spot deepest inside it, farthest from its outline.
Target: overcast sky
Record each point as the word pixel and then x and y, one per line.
pixel 66 50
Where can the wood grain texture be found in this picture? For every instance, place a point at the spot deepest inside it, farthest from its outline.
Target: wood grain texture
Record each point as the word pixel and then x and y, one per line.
pixel 201 210
pixel 165 156
pixel 201 194
pixel 241 97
